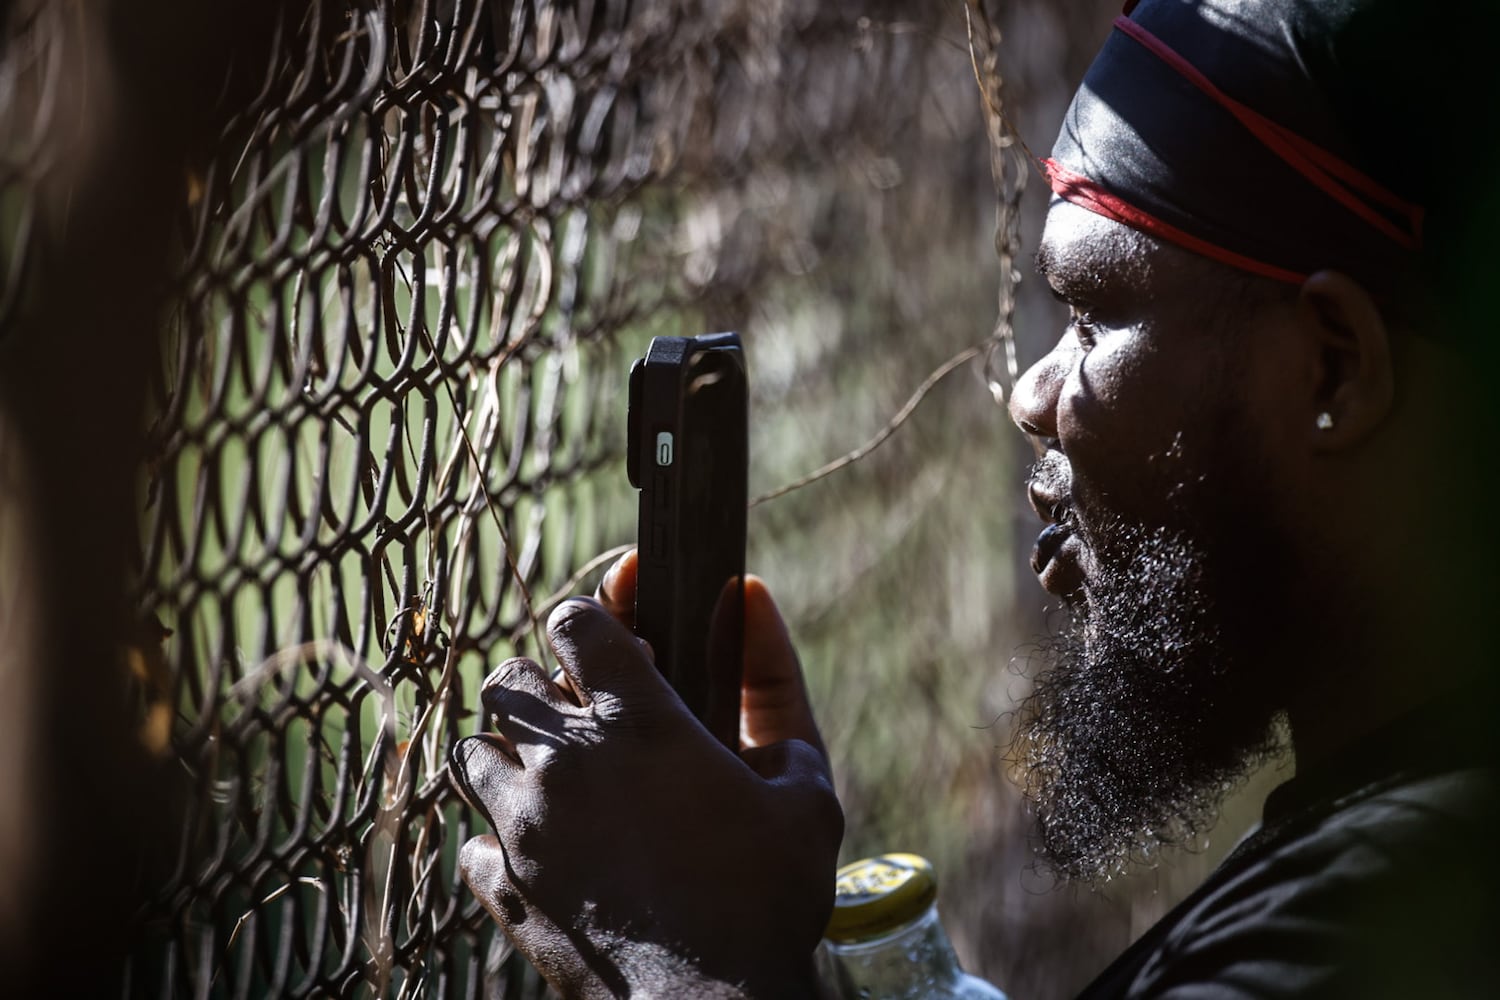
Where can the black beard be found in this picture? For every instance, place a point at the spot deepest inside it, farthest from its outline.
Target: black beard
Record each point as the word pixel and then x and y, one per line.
pixel 1155 706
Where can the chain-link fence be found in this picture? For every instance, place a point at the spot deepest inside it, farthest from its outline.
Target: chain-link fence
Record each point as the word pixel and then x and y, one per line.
pixel 386 426
pixel 413 255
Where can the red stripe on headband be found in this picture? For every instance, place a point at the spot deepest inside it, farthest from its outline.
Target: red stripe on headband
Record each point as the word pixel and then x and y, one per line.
pixel 1327 172
pixel 1087 193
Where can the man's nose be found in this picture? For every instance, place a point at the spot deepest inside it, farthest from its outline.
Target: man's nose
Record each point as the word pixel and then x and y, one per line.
pixel 1033 402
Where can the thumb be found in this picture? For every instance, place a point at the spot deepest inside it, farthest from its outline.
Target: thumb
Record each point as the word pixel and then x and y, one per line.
pixel 617 590
pixel 790 762
pixel 774 697
pixel 800 772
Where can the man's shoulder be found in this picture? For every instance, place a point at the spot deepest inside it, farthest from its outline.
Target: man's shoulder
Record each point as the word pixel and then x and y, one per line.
pixel 1373 828
pixel 1386 891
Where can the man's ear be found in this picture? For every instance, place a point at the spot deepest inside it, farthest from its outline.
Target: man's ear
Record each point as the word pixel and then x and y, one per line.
pixel 1355 386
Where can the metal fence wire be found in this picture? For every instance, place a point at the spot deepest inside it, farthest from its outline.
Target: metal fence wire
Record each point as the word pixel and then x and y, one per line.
pixel 385 430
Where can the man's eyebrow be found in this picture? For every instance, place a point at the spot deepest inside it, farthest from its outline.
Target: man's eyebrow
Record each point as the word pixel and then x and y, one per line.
pixel 1044 261
pixel 1064 282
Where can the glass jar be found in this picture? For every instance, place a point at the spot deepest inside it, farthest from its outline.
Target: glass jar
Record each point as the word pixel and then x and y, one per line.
pixel 885 941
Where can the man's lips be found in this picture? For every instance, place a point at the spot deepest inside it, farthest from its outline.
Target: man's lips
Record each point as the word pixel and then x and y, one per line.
pixel 1047 545
pixel 1053 558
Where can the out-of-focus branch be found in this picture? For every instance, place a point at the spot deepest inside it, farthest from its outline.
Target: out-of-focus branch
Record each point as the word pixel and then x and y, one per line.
pixel 1010 181
pixel 910 406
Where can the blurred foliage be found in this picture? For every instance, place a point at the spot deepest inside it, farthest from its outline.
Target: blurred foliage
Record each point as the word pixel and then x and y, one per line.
pixel 905 576
pixel 413 271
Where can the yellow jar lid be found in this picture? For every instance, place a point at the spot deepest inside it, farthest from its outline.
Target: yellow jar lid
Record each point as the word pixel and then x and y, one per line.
pixel 877 895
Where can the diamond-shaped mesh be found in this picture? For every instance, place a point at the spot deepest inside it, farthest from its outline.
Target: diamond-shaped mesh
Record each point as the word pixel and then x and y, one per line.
pixel 385 430
pixel 416 244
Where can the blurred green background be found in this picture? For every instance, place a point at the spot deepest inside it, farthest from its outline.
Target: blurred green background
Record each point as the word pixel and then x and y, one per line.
pixel 413 270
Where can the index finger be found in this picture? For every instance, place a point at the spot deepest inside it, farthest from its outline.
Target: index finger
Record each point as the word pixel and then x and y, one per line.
pixel 599 655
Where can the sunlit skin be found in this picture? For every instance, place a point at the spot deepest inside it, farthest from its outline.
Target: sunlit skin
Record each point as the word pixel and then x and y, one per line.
pixel 634 853
pixel 1135 361
pixel 1364 603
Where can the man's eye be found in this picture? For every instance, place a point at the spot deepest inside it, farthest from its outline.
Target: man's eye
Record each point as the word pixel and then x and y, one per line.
pixel 1083 328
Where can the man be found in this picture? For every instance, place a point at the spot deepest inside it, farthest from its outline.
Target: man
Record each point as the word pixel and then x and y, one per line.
pixel 1259 506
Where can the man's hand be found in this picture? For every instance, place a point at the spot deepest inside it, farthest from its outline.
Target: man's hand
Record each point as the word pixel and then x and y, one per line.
pixel 633 853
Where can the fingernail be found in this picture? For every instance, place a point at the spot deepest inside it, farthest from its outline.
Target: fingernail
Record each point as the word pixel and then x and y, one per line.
pixel 458 769
pixel 458 764
pixel 611 575
pixel 499 674
pixel 572 608
pixel 493 687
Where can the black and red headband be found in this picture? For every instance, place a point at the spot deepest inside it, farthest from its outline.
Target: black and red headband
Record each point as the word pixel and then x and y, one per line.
pixel 1215 125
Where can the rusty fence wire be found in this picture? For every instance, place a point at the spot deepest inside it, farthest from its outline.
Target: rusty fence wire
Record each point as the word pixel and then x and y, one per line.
pixel 383 435
pixel 314 321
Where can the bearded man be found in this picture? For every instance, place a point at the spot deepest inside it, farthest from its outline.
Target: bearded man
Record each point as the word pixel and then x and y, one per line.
pixel 1259 506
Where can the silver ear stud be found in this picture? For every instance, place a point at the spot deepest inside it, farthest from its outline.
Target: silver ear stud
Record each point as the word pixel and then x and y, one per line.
pixel 1325 421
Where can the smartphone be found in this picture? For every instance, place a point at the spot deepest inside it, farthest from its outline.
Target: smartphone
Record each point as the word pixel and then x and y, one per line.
pixel 688 456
